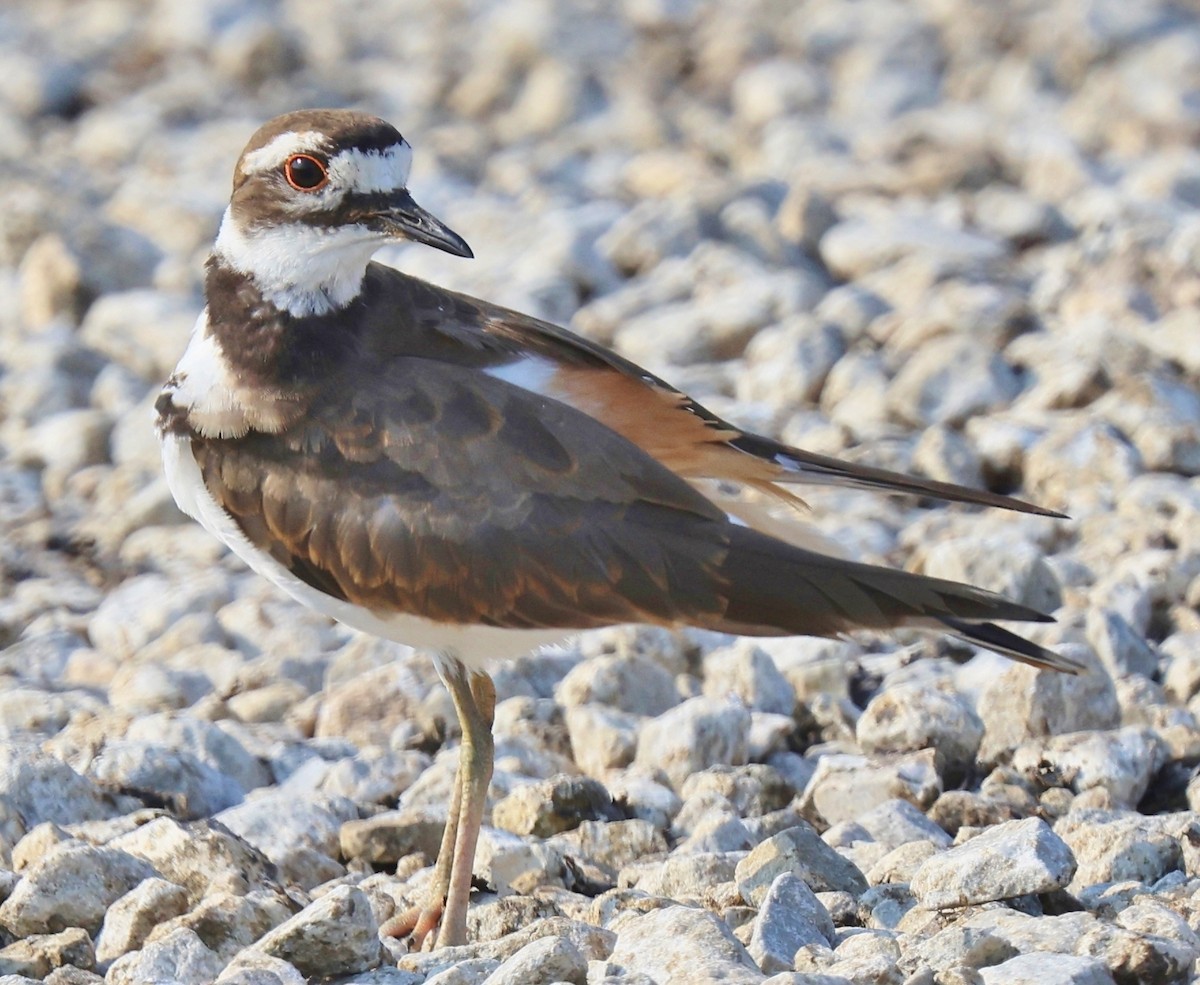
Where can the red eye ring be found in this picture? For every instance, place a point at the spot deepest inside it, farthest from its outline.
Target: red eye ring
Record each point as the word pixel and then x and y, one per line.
pixel 305 173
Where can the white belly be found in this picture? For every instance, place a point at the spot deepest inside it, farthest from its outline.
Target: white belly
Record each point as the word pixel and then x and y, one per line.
pixel 473 645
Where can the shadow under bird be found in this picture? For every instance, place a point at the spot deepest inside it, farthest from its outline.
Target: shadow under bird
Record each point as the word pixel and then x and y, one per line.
pixel 453 475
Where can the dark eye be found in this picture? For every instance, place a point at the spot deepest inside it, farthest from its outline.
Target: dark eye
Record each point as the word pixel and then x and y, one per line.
pixel 305 173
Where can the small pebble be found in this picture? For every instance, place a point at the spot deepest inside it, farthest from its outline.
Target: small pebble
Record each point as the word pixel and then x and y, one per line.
pixel 798 850
pixel 336 933
pixel 700 732
pixel 790 916
pixel 1012 859
pixel 677 944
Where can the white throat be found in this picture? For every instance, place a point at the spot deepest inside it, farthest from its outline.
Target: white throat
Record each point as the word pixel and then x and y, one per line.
pixel 303 270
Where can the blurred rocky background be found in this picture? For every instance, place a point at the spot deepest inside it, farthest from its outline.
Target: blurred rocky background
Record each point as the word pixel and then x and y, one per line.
pixel 956 237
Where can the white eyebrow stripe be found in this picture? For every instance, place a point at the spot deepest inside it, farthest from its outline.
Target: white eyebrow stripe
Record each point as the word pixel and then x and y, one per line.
pixel 279 149
pixel 371 171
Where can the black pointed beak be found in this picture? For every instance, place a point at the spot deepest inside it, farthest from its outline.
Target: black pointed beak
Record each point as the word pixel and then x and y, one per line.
pixel 405 219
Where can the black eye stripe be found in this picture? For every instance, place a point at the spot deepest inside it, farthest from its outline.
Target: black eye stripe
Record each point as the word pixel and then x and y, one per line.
pixel 350 207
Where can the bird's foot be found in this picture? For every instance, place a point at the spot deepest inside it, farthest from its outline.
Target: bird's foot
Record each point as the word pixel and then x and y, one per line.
pixel 418 923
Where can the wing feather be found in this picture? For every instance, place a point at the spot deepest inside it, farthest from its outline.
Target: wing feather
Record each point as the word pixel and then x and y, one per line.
pixel 680 432
pixel 457 497
pixel 417 483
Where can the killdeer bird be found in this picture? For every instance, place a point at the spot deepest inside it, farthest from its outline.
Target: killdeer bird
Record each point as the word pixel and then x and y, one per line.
pixel 449 474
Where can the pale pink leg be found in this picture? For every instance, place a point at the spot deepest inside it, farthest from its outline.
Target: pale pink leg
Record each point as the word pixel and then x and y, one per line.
pixel 421 921
pixel 474 697
pixel 449 892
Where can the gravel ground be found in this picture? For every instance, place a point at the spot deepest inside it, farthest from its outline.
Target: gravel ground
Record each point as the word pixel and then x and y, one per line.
pixel 956 237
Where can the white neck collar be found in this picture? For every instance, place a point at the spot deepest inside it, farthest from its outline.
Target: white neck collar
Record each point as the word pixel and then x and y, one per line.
pixel 303 270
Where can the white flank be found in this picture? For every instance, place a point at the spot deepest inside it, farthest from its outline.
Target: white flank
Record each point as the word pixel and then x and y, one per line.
pixel 217 405
pixel 203 385
pixel 303 270
pixel 475 646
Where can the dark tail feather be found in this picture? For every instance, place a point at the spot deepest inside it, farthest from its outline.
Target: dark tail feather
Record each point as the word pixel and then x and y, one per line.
pixel 780 590
pixel 1011 645
pixel 803 466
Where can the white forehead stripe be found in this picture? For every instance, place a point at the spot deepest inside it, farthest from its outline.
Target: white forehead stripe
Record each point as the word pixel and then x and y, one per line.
pixel 279 149
pixel 371 171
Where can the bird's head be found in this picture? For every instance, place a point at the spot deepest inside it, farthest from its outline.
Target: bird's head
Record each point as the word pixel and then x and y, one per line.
pixel 315 194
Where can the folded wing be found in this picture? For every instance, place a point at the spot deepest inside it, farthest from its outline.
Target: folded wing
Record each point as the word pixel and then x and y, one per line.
pixel 422 488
